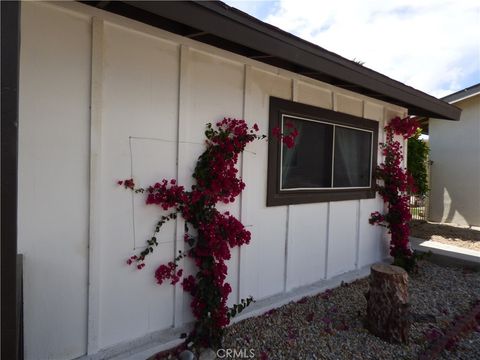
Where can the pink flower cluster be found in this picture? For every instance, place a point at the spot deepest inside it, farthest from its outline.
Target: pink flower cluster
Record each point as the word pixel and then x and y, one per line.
pixel 287 139
pixel 405 127
pixel 166 194
pixel 397 182
pixel 216 172
pixel 168 271
pixel 216 181
pixel 376 218
pixel 188 284
pixel 134 258
pixel 128 183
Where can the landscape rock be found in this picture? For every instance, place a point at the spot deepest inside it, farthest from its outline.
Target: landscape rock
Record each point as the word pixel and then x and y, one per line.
pixel 207 354
pixel 186 355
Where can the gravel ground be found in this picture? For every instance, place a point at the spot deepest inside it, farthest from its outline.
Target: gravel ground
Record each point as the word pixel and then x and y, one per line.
pixel 467 348
pixel 447 234
pixel 329 325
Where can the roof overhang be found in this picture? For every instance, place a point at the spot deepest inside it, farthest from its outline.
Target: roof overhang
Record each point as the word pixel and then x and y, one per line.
pixel 464 94
pixel 220 25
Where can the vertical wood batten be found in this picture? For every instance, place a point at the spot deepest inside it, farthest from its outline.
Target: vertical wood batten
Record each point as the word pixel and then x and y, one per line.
pixel 285 264
pixel 246 74
pixel 360 203
pixel 95 184
pixel 288 238
pixel 405 146
pixel 383 137
pixel 327 242
pixel 357 236
pixel 184 55
pixel 242 261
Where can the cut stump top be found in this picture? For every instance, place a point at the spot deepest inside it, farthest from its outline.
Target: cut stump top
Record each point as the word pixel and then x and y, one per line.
pixel 388 269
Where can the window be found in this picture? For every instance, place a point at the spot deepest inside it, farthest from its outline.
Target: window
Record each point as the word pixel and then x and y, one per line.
pixel 333 158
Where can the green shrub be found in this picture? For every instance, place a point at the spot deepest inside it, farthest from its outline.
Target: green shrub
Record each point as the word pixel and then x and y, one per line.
pixel 417 162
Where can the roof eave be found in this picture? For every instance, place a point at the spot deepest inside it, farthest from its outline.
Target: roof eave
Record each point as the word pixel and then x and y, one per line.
pixel 233 26
pixel 464 94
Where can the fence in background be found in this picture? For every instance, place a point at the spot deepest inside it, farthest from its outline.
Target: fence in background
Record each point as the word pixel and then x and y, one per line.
pixel 418 207
pixel 420 204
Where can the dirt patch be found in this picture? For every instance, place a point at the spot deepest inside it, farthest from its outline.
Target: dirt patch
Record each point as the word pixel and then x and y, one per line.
pixel 447 234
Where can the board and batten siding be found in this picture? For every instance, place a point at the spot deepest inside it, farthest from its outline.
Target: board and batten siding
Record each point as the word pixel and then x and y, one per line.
pixel 103 98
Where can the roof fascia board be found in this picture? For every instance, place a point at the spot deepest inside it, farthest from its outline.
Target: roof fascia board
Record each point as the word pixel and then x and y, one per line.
pixel 464 98
pixel 462 94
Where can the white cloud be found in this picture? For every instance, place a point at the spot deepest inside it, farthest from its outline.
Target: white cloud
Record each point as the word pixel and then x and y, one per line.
pixel 432 45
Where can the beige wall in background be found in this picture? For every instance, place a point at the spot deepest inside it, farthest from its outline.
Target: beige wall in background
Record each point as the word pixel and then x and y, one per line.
pixel 455 173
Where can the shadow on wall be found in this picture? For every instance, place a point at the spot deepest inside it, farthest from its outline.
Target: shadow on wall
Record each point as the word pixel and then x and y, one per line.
pixel 457 204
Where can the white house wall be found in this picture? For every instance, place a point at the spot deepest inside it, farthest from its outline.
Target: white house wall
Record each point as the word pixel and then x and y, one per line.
pixel 153 93
pixel 139 136
pixel 455 172
pixel 53 179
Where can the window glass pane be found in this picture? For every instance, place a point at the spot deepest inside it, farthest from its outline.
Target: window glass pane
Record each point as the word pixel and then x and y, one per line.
pixel 352 158
pixel 309 163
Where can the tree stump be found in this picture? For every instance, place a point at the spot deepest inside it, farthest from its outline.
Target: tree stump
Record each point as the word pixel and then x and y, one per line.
pixel 387 303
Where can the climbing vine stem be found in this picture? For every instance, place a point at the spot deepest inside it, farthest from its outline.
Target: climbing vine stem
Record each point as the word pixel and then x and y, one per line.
pixel 393 184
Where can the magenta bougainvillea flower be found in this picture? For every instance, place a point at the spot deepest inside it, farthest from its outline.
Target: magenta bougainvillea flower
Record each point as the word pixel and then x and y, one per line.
pixel 287 138
pixel 394 188
pixel 217 181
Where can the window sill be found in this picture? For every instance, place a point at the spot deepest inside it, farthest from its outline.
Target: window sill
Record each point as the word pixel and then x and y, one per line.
pixel 306 197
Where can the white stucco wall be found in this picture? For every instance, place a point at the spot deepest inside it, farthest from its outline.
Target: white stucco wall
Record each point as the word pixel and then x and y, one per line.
pixel 152 94
pixel 455 172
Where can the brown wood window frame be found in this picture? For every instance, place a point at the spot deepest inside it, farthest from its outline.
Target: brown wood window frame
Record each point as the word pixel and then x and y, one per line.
pixel 275 196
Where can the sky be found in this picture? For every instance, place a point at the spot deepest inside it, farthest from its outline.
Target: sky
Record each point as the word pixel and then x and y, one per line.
pixel 432 45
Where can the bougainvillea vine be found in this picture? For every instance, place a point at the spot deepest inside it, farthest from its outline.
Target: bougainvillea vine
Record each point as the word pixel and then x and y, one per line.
pixel 287 137
pixel 395 183
pixel 215 232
